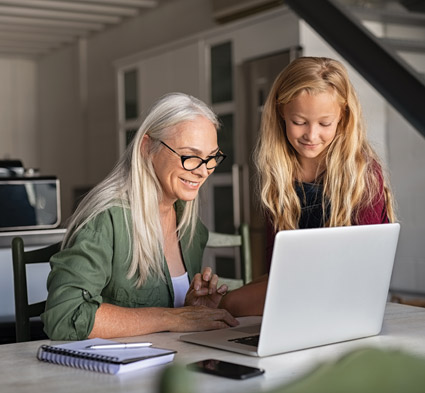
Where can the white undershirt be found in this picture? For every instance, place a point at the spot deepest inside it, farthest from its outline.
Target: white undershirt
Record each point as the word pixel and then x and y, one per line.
pixel 180 286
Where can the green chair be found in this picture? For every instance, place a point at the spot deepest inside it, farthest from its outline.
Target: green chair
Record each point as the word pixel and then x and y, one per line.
pixel 23 310
pixel 240 240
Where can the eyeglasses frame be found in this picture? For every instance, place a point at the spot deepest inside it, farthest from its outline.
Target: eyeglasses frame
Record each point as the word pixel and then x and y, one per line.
pixel 183 158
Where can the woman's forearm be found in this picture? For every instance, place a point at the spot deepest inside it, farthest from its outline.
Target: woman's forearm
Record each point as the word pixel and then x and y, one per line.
pixel 116 321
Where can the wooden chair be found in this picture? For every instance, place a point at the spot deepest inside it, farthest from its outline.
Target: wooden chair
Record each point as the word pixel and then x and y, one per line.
pixel 23 310
pixel 242 241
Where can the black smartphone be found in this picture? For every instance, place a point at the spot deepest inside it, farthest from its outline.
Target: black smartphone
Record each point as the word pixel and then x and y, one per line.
pixel 225 369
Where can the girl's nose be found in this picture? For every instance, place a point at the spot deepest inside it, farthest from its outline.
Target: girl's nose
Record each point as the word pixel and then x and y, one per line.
pixel 310 133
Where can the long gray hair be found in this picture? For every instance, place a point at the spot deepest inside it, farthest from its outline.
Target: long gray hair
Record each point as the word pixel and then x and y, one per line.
pixel 134 180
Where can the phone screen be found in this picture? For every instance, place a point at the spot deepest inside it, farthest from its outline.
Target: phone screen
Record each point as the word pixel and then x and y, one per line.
pixel 225 369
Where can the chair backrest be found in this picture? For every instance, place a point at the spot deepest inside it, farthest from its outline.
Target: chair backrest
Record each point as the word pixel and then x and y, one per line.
pixel 23 310
pixel 241 240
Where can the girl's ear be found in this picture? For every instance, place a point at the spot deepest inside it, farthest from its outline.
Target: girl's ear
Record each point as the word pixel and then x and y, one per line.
pixel 145 145
pixel 343 114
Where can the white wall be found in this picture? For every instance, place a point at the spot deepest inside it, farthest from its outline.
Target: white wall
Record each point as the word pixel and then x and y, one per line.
pixel 407 164
pixel 18 113
pixel 63 140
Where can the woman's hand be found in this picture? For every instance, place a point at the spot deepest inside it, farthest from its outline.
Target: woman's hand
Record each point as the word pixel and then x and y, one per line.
pixel 203 290
pixel 197 318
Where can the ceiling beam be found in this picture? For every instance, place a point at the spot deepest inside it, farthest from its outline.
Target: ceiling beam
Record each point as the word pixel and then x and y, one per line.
pixel 27 44
pixel 36 27
pixel 12 28
pixel 11 35
pixel 59 24
pixel 62 15
pixel 9 50
pixel 73 6
pixel 130 3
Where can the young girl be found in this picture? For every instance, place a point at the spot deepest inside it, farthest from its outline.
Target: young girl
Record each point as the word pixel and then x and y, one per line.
pixel 316 167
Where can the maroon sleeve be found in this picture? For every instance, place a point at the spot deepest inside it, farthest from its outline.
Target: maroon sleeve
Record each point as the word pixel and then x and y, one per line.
pixel 377 213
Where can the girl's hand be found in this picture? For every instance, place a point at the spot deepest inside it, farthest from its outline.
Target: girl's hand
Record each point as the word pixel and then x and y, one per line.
pixel 203 290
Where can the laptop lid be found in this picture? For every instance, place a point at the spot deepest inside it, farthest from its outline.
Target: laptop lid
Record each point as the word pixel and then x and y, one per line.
pixel 325 285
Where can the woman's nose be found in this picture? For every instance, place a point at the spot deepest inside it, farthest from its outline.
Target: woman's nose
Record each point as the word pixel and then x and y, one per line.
pixel 202 170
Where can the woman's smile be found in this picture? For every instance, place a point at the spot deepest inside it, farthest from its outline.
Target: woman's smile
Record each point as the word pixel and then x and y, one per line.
pixel 190 183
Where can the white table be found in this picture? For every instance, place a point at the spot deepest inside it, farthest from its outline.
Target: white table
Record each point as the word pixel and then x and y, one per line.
pixel 20 371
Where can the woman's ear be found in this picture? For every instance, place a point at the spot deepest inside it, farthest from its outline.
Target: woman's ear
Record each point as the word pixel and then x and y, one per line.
pixel 145 145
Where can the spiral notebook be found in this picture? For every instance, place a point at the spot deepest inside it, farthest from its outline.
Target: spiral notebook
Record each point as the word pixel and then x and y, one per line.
pixel 109 361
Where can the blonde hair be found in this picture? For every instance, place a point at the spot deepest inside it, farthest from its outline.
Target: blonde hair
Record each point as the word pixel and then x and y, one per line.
pixel 350 170
pixel 133 184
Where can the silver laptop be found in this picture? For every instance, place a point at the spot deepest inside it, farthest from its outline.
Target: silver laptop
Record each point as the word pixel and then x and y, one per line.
pixel 326 285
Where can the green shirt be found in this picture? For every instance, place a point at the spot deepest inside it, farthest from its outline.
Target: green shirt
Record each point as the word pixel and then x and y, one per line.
pixel 94 270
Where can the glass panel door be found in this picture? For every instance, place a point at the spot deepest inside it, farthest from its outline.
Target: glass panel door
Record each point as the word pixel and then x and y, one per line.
pixel 221 192
pixel 129 106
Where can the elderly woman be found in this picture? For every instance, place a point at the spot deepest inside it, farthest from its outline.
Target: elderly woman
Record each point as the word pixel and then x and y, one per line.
pixel 131 259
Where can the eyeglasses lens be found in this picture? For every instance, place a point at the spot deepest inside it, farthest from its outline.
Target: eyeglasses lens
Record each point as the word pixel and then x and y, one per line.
pixel 192 163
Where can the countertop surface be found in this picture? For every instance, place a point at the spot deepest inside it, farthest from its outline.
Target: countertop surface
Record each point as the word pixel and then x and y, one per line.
pixel 33 237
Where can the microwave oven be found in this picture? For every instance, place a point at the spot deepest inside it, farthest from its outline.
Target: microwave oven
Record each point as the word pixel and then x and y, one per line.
pixel 29 203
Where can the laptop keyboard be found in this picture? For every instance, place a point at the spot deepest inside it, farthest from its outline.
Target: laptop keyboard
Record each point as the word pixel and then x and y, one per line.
pixel 249 340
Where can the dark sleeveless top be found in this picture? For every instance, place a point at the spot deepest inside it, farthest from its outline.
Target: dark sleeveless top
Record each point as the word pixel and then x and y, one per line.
pixel 310 195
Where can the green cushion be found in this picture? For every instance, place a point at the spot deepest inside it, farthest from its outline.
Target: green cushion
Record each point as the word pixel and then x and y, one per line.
pixel 367 370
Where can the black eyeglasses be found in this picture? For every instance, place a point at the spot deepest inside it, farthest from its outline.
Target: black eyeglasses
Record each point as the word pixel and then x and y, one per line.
pixel 190 163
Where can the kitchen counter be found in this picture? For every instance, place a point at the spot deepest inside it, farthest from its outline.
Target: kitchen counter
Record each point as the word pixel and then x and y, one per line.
pixel 39 237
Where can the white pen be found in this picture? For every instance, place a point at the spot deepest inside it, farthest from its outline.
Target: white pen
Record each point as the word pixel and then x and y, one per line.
pixel 120 345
